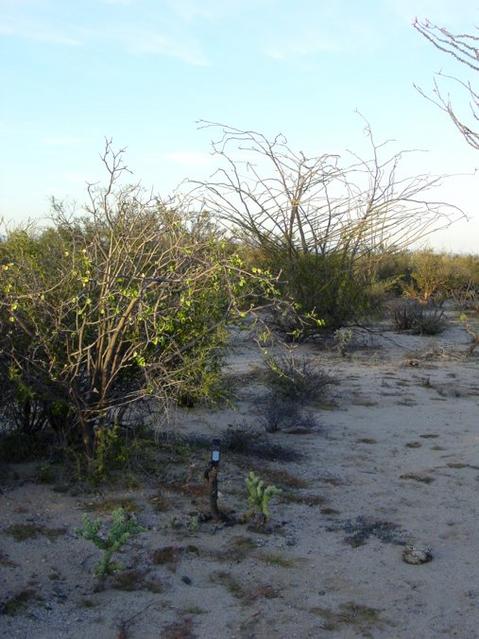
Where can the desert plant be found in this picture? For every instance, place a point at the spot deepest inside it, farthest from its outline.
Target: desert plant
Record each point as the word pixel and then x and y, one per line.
pixel 277 413
pixel 324 222
pixel 429 277
pixel 295 378
pixel 259 496
pixel 419 319
pixel 124 305
pixel 472 331
pixel 466 297
pixel 246 441
pixel 406 314
pixel 342 339
pixel 239 439
pixel 123 526
pixel 431 321
pixel 463 48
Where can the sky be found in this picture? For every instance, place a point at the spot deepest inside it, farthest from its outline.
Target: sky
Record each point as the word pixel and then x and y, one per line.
pixel 143 72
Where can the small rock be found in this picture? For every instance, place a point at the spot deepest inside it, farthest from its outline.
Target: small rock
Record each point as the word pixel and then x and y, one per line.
pixel 186 580
pixel 417 555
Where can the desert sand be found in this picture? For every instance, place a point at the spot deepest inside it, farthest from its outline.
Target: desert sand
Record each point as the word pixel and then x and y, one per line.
pixel 391 459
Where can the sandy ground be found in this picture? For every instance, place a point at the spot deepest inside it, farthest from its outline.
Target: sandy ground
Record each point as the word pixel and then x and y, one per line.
pixel 394 459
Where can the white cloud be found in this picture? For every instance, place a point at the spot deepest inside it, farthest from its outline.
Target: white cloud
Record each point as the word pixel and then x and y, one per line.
pixel 189 158
pixel 444 12
pixel 211 9
pixel 130 31
pixel 156 43
pixel 38 33
pixel 305 47
pixel 325 28
pixel 62 140
pixel 119 2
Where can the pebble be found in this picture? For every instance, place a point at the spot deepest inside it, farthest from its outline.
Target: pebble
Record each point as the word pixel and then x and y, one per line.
pixel 417 555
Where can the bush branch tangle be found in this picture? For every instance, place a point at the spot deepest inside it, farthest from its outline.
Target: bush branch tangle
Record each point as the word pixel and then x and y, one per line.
pixel 464 48
pixel 323 221
pixel 125 303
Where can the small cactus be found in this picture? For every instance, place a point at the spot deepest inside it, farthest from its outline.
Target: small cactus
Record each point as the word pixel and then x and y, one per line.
pixel 259 496
pixel 122 528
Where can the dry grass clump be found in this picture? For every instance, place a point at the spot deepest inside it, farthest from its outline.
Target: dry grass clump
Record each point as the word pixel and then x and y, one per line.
pixel 349 614
pixel 247 594
pixel 239 439
pixel 111 504
pixel 134 580
pixel 421 478
pixel 18 603
pixel 282 477
pixel 180 629
pixel 306 500
pixel 168 556
pixel 420 319
pixel 280 413
pixel 22 532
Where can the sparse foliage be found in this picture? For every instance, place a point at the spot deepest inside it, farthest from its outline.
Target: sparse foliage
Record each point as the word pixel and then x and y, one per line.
pixel 295 378
pixel 419 319
pixel 278 412
pixel 406 314
pixel 473 333
pixel 342 339
pixel 313 218
pixel 464 48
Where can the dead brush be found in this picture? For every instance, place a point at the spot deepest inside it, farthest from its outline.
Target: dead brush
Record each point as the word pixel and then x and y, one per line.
pixel 419 319
pixel 277 413
pixel 246 441
pixel 294 378
pixel 406 314
pixel 432 321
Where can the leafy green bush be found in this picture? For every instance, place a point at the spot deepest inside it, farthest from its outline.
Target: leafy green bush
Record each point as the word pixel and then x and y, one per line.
pixel 124 305
pixel 329 286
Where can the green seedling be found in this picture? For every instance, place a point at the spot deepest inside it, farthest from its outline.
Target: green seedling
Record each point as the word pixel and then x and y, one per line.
pixel 259 496
pixel 123 526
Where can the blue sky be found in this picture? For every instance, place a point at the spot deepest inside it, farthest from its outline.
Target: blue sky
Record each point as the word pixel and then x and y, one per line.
pixel 144 71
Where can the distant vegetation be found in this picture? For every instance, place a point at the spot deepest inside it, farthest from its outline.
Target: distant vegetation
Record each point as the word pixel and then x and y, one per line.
pixel 125 307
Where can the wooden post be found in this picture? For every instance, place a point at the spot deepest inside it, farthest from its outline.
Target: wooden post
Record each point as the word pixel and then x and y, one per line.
pixel 211 475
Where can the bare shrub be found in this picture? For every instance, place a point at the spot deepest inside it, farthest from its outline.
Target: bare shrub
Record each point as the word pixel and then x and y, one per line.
pixel 246 441
pixel 324 222
pixel 419 319
pixel 406 314
pixel 278 413
pixel 464 48
pixel 432 321
pixel 295 378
